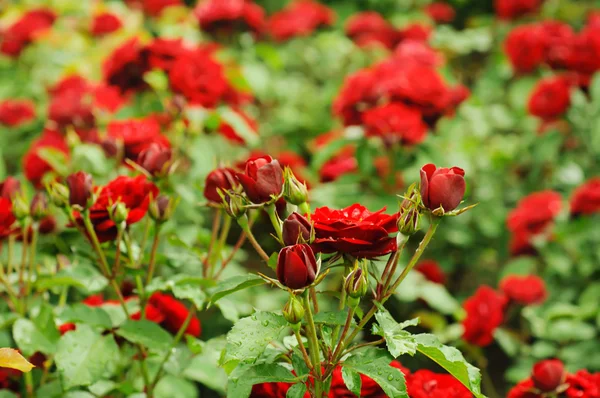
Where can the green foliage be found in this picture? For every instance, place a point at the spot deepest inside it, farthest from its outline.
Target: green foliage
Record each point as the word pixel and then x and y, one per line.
pixel 375 363
pixel 37 335
pixel 146 333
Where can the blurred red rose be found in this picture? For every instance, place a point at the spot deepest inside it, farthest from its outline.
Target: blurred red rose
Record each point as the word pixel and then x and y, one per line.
pixel 395 123
pixel 80 189
pixel 156 159
pixel 34 167
pixel 126 66
pixel 585 55
pixel 442 187
pixel 583 384
pixel 559 39
pixel 270 390
pixel 155 7
pixel 222 178
pixel 370 28
pixel 586 198
pixel 25 30
pixel 108 98
pixel 485 312
pixel 175 313
pixel 432 271
pixel 356 94
pixel 66 327
pixel 525 47
pixel 548 375
pixel 300 18
pixel 523 389
pixel 550 98
pixel 105 23
pixel 226 16
pixel 7 219
pixel 137 135
pixel 71 103
pixel 511 9
pixel 415 31
pixel 133 192
pixel 162 53
pixel 9 188
pixel 354 231
pixel 440 12
pixel 417 52
pixel 427 384
pixel 14 112
pixel 229 132
pixel 528 289
pixel 262 178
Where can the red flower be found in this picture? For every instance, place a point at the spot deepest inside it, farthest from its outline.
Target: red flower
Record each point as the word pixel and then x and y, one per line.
pixel 369 387
pixel 525 47
pixel 511 9
pixel 14 112
pixel 548 375
pixel 585 55
pixel 443 187
pixel 300 18
pixel 105 23
pixel 108 98
pixel 223 178
pixel 153 314
pixel 415 31
pixel 262 179
pixel 533 215
pixel 34 167
pixel 296 229
pixel 395 123
pixel 66 327
pixel 71 103
pixel 524 389
pixel 227 15
pixel 270 390
pixel 80 189
pixel 25 30
pixel 229 132
pixel 357 93
pixel 370 28
pixel 162 53
pixel 155 7
pixel 586 198
pixel 583 384
pixel 485 312
pixel 354 231
pixel 175 314
pixel 559 39
pixel 134 192
pixel 426 384
pixel 155 159
pixel 296 266
pixel 7 219
pixel 529 289
pixel 9 188
pixel 137 135
pixel 418 53
pixel 126 66
pixel 440 12
pixel 432 271
pixel 551 98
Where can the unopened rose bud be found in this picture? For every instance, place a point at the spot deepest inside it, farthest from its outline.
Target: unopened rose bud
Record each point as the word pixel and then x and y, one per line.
pixel 442 187
pixel 59 194
pixel 235 205
pixel 222 178
pixel 20 208
pixel 296 266
pixel 293 312
pixel 294 191
pixel 39 206
pixel 296 229
pixel 119 213
pixel 80 189
pixel 161 209
pixel 548 375
pixel 262 179
pixel 156 160
pixel 356 286
pixel 9 188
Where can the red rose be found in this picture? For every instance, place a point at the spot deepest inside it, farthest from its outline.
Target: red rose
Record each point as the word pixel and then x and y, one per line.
pixel 155 159
pixel 585 55
pixel 357 93
pixel 134 192
pixel 532 216
pixel 108 98
pixel 354 231
pixel 369 387
pixel 440 12
pixel 262 179
pixel 548 375
pixel 523 389
pixel 7 219
pixel 432 271
pixel 80 189
pixel 25 30
pixel 105 23
pixel 426 384
pixel 9 188
pixel 162 53
pixel 485 312
pixel 14 113
pixel 417 52
pixel 559 38
pixel 551 98
pixel 511 9
pixel 394 123
pixel 529 289
pixel 270 390
pixel 586 198
pixel 71 103
pixel 223 178
pixel 296 266
pixel 296 229
pixel 137 135
pixel 153 314
pixel 219 15
pixel 300 18
pixel 229 132
pixel 415 31
pixel 583 384
pixel 126 66
pixel 368 28
pixel 175 314
pixel 443 187
pixel 525 47
pixel 34 167
pixel 155 7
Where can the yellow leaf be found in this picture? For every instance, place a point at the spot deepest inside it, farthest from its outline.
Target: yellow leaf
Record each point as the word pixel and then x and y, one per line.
pixel 10 358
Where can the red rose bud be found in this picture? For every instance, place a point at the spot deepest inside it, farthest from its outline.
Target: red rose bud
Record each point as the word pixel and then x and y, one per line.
pixel 39 206
pixel 156 160
pixel 293 312
pixel 296 229
pixel 262 179
pixel 162 208
pixel 296 266
pixel 80 189
pixel 294 191
pixel 443 187
pixel 9 188
pixel 548 375
pixel 224 179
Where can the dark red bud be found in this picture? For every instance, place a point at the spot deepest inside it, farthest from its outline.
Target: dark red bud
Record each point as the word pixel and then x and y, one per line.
pixel 296 229
pixel 296 266
pixel 155 159
pixel 39 206
pixel 442 187
pixel 547 375
pixel 80 189
pixel 223 178
pixel 262 179
pixel 9 188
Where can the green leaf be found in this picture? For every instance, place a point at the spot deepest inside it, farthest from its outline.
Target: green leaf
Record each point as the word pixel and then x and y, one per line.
pixel 40 335
pixel 171 386
pixel 450 359
pixel 336 318
pixel 189 291
pixel 204 367
pixel 564 330
pixel 398 340
pixel 352 380
pixel 375 363
pixel 94 316
pixel 244 377
pixel 84 277
pixel 146 333
pixel 234 284
pixel 84 357
pixel 296 391
pixel 250 336
pixel 239 125
pixel 56 159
